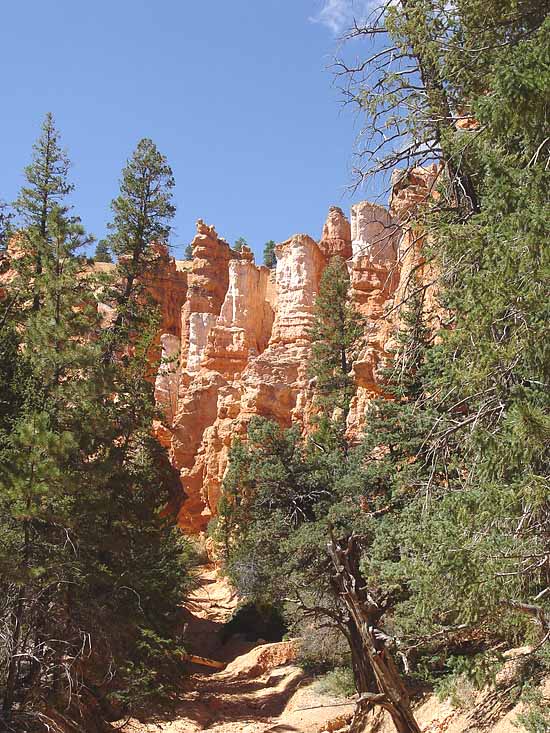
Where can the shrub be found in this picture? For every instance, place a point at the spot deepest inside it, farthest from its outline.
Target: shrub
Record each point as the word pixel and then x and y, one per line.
pixel 321 649
pixel 338 682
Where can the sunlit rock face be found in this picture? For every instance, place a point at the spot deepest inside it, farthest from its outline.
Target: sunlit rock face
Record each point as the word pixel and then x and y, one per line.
pixel 243 327
pixel 336 237
pixel 207 283
pixel 248 358
pixel 374 232
pixel 167 282
pixel 198 329
pixel 244 345
pixel 234 339
pixel 168 376
pixel 374 275
pixel 300 264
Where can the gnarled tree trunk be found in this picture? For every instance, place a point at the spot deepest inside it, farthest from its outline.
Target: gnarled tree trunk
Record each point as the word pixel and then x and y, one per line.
pixel 365 614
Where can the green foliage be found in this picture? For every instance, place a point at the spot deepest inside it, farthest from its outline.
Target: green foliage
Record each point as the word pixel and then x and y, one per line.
pixel 91 570
pixel 458 690
pixel 239 244
pixel 5 226
pixel 465 675
pixel 536 717
pixel 46 185
pixel 462 477
pixel 188 254
pixel 278 494
pixel 338 682
pixel 143 208
pixel 283 493
pixel 484 525
pixel 427 65
pixel 142 212
pixel 102 252
pixel 337 334
pixel 448 490
pixel 270 260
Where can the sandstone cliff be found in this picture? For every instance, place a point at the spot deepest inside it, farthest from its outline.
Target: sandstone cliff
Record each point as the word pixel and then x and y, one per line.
pixel 234 337
pixel 242 346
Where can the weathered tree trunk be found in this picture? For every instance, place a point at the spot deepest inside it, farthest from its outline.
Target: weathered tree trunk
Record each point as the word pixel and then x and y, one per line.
pixel 365 614
pixel 17 616
pixel 362 671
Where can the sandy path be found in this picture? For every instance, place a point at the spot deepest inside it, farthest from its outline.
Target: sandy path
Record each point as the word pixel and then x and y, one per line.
pixel 260 689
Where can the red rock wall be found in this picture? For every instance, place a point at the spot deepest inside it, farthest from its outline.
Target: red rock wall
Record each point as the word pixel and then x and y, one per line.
pixel 234 336
pixel 245 348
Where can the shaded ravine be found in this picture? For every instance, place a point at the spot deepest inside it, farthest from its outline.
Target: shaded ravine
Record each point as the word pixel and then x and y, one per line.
pixel 259 690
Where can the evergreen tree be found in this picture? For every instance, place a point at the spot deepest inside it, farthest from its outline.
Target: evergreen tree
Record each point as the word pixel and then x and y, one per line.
pixel 239 244
pixel 135 546
pixel 492 366
pixel 441 515
pixel 50 376
pixel 270 260
pixel 475 518
pixel 142 214
pixel 316 506
pixel 102 252
pixel 337 335
pixel 277 495
pixel 92 571
pixel 188 254
pixel 46 188
pixel 46 185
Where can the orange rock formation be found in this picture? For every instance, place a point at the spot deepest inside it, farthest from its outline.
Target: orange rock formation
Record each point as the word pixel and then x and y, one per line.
pixel 234 338
pixel 243 345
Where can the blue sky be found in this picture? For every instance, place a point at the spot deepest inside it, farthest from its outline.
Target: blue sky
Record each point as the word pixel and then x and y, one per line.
pixel 236 94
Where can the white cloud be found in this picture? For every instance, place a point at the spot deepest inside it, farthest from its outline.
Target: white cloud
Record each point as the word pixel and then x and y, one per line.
pixel 338 15
pixel 334 14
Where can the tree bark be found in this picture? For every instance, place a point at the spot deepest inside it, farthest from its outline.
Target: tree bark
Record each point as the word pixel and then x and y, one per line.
pixel 365 614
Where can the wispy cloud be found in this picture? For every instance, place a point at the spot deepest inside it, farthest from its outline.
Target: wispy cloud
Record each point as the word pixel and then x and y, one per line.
pixel 337 15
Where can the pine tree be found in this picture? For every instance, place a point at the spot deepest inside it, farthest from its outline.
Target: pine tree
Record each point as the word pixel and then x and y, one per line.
pixel 134 543
pixel 102 252
pixel 188 253
pixel 270 260
pixel 474 508
pixel 336 335
pixel 49 376
pixel 47 188
pixel 86 550
pixel 142 214
pixel 239 244
pixel 45 353
pixel 492 366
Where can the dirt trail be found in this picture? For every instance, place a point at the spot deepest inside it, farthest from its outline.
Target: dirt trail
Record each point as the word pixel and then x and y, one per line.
pixel 260 689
